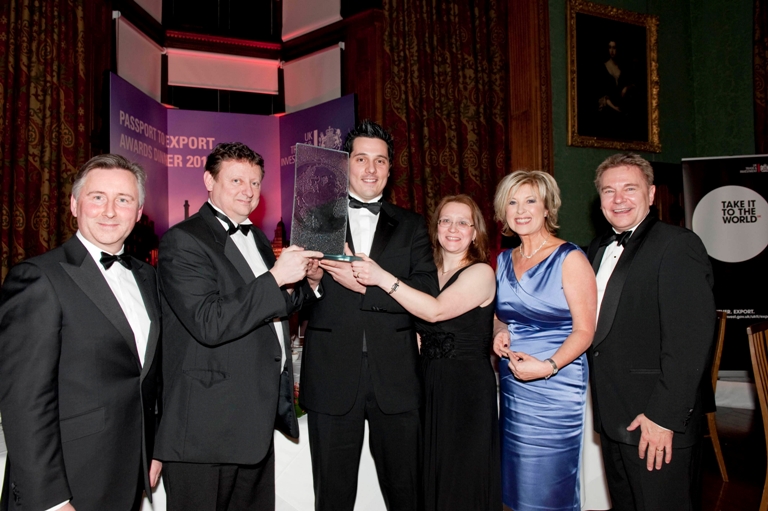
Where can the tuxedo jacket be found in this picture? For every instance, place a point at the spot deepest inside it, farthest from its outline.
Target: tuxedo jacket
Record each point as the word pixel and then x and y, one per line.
pixel 333 342
pixel 224 390
pixel 78 408
pixel 654 334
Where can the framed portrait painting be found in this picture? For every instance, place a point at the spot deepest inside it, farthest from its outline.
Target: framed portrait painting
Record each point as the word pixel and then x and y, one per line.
pixel 613 81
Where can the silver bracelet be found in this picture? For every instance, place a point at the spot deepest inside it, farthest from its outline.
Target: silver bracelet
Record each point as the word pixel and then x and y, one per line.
pixel 394 287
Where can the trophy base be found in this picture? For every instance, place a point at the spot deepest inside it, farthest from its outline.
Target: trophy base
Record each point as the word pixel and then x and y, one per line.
pixel 341 257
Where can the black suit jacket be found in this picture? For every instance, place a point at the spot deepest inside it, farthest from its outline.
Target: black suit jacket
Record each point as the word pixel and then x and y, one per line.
pixel 334 337
pixel 223 392
pixel 654 334
pixel 78 408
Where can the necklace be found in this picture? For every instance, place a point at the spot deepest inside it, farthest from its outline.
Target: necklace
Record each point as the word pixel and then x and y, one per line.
pixel 443 272
pixel 535 251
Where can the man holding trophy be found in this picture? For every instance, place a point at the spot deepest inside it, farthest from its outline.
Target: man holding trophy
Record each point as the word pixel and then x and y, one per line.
pixel 360 359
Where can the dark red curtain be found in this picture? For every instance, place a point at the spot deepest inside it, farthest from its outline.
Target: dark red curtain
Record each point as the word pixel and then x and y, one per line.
pixel 761 75
pixel 447 100
pixel 42 123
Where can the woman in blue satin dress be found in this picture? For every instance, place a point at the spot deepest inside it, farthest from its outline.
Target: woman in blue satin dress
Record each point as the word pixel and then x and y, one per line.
pixel 461 438
pixel 545 309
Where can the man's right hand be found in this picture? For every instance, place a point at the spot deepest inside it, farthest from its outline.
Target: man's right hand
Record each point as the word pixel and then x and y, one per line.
pixel 66 507
pixel 292 265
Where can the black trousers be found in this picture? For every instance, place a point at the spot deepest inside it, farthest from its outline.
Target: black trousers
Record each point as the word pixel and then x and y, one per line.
pixel 634 488
pixel 336 442
pixel 220 487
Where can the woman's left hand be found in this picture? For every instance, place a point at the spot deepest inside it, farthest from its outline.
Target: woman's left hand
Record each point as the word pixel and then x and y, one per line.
pixel 526 368
pixel 368 272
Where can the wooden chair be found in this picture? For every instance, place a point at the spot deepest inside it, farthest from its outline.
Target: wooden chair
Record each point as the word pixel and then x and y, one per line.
pixel 720 337
pixel 758 343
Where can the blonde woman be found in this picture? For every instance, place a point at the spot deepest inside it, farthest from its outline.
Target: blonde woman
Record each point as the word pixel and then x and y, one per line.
pixel 546 298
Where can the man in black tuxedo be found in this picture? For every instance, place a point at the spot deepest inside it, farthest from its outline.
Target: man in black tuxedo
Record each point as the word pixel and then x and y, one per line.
pixel 360 354
pixel 78 373
pixel 227 371
pixel 654 335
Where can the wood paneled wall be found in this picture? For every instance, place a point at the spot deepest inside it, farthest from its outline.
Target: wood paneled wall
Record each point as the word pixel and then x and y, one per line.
pixel 530 86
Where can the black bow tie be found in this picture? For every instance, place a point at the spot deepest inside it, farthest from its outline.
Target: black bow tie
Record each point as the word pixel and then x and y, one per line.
pixel 107 260
pixel 373 207
pixel 231 227
pixel 620 239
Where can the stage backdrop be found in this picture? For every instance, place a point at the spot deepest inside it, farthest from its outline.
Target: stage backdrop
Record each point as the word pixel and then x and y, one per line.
pixel 172 146
pixel 725 204
pixel 192 135
pixel 138 128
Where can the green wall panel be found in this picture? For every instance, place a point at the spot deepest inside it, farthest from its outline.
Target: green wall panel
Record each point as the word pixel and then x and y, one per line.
pixel 695 50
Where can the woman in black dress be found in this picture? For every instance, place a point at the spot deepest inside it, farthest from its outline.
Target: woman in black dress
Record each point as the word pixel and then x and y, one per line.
pixel 461 444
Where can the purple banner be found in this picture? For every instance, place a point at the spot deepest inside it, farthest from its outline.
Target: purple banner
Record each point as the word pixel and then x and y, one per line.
pixel 137 131
pixel 323 125
pixel 194 134
pixel 172 146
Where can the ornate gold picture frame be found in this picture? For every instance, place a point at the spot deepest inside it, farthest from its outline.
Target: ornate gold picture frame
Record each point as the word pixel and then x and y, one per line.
pixel 613 80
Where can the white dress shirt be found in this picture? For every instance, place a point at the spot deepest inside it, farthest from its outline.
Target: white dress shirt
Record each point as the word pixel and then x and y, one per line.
pixel 608 264
pixel 362 225
pixel 247 247
pixel 123 285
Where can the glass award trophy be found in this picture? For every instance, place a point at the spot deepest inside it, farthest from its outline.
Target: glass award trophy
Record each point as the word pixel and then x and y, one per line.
pixel 320 200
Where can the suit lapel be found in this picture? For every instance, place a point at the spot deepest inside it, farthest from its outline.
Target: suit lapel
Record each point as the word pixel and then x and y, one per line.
pixel 83 271
pixel 616 282
pixel 597 249
pixel 265 249
pixel 231 252
pixel 350 241
pixel 385 227
pixel 149 295
pixel 238 261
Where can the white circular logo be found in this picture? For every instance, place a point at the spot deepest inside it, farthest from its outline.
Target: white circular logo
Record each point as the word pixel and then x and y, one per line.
pixel 731 221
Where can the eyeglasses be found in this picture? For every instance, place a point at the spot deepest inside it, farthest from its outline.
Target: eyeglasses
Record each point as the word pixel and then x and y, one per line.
pixel 460 224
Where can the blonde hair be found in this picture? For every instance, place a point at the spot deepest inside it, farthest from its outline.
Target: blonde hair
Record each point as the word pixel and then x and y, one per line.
pixel 543 184
pixel 625 160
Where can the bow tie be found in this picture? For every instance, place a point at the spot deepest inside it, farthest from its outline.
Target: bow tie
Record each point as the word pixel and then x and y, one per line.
pixel 231 227
pixel 373 207
pixel 620 239
pixel 107 260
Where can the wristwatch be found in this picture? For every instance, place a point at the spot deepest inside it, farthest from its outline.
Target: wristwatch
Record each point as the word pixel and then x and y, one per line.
pixel 554 369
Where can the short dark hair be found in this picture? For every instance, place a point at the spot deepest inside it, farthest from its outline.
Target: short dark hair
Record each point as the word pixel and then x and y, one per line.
pixel 370 129
pixel 110 161
pixel 232 151
pixel 625 160
pixel 478 251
